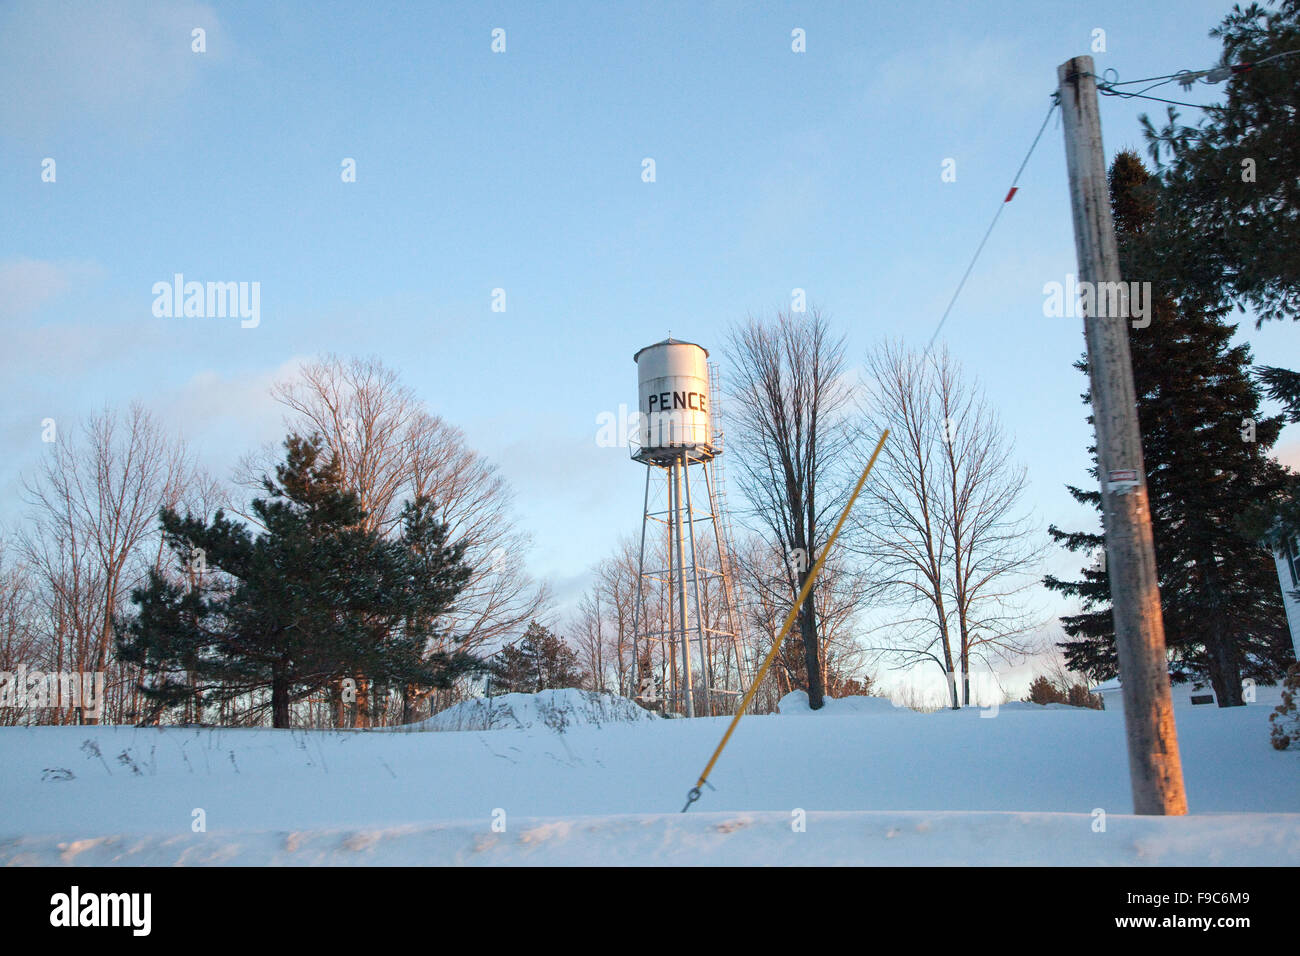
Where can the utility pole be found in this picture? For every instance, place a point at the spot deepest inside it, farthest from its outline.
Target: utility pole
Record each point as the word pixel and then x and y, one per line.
pixel 1155 769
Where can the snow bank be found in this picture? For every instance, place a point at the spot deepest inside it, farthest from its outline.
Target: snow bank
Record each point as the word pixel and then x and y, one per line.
pixel 556 710
pixel 1014 705
pixel 715 839
pixel 795 704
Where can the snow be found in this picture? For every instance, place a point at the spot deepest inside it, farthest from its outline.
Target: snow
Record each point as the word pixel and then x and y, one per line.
pixel 871 783
pixel 795 704
pixel 764 838
pixel 557 710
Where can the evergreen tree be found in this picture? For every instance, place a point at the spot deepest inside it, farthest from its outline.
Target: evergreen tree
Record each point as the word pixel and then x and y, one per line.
pixel 538 661
pixel 1233 180
pixel 311 599
pixel 1206 451
pixel 1230 189
pixel 1282 385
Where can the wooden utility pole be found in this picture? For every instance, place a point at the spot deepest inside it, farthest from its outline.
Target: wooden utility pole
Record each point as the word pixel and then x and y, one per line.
pixel 1155 770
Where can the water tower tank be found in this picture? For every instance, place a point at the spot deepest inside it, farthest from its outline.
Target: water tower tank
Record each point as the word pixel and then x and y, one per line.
pixel 673 382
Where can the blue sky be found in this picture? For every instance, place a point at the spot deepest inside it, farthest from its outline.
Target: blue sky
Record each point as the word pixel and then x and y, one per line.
pixel 522 171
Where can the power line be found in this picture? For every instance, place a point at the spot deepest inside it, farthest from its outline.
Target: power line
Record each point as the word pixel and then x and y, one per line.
pixel 1157 99
pixel 980 248
pixel 1152 86
pixel 1185 79
pixel 1146 79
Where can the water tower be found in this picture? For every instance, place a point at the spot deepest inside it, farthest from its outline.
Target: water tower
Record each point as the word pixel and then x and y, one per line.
pixel 686 642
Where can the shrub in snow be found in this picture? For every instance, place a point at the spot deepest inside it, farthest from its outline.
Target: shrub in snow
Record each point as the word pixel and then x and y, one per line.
pixel 1044 691
pixel 1080 696
pixel 1284 722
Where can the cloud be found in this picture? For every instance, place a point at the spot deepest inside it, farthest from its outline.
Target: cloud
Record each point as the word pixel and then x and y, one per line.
pixel 27 284
pixel 925 78
pixel 113 62
pixel 239 404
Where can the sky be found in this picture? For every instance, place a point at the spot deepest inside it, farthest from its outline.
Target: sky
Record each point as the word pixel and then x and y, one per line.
pixel 522 171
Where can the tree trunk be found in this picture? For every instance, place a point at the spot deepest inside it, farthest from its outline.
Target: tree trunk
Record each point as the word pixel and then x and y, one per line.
pixel 1225 672
pixel 812 666
pixel 279 701
pixel 363 703
pixel 965 683
pixel 949 673
pixel 952 688
pixel 1224 663
pixel 965 667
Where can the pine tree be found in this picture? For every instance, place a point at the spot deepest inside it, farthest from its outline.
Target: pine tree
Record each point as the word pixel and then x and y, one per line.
pixel 1206 447
pixel 1234 179
pixel 310 600
pixel 1282 385
pixel 538 661
pixel 1231 190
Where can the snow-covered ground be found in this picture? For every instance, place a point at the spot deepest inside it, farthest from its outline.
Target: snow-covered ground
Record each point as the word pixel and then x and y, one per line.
pixel 861 782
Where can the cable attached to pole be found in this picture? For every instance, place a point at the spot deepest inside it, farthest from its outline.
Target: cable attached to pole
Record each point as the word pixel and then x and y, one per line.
pixel 1184 78
pixel 988 232
pixel 695 791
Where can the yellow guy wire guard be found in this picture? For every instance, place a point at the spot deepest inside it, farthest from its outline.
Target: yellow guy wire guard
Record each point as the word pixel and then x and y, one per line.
pixel 789 622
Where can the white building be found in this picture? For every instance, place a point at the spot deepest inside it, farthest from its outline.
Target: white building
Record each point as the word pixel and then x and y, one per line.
pixel 1287 556
pixel 1183 694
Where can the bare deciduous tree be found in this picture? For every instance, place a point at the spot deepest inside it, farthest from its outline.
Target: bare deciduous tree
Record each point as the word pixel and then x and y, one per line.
pixel 590 639
pixel 764 589
pixel 391 449
pixel 19 630
pixel 604 621
pixel 943 527
pixel 95 508
pixel 788 403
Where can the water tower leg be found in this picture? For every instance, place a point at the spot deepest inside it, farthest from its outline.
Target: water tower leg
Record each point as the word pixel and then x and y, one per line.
pixel 723 541
pixel 668 635
pixel 676 509
pixel 637 690
pixel 706 663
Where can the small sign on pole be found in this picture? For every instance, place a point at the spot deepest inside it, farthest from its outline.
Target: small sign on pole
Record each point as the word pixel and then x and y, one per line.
pixel 1122 480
